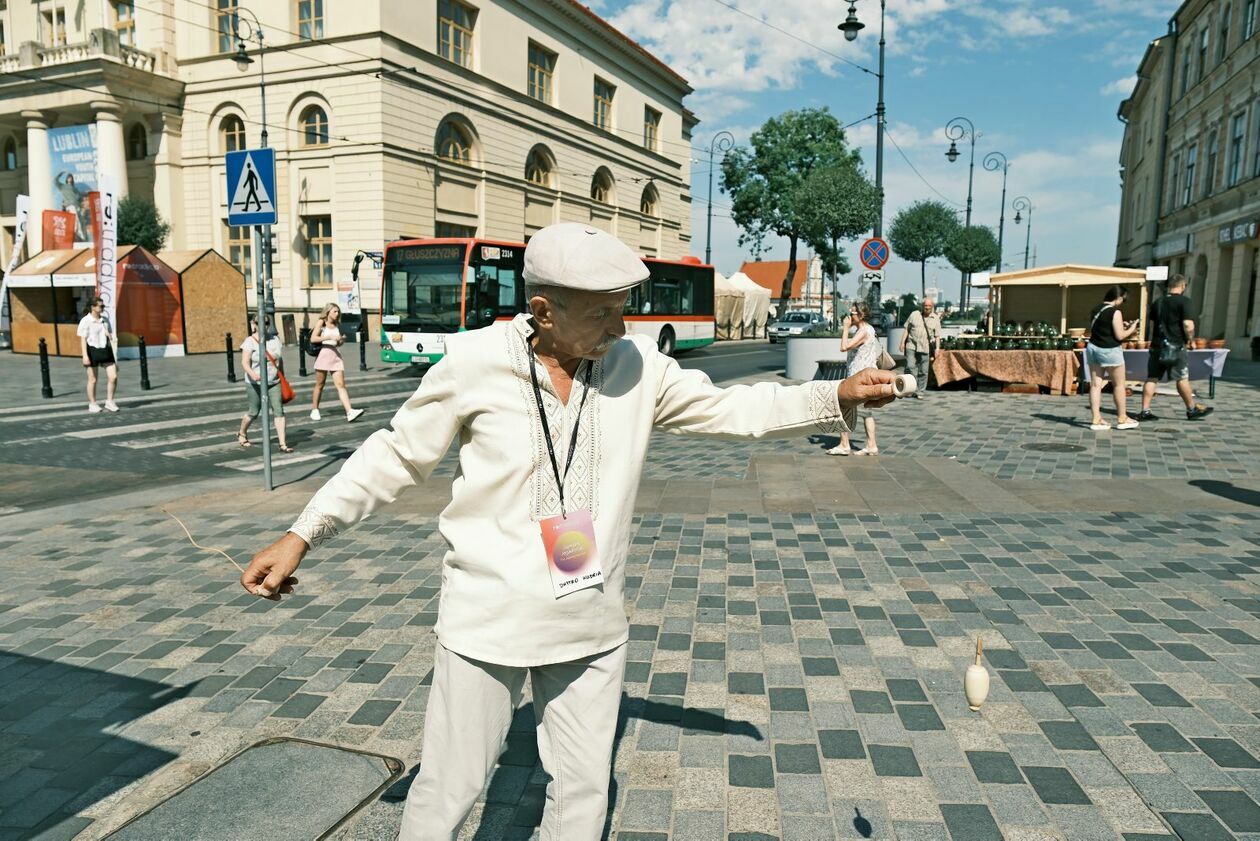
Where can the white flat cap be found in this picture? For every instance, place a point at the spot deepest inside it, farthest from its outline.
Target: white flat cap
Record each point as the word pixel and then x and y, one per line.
pixel 577 256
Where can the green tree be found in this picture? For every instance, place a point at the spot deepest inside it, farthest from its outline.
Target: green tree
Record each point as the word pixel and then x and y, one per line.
pixel 140 223
pixel 971 250
pixel 763 179
pixel 909 304
pixel 922 232
pixel 835 203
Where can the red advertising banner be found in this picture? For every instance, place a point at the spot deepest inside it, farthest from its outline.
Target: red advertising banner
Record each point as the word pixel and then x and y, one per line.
pixel 58 227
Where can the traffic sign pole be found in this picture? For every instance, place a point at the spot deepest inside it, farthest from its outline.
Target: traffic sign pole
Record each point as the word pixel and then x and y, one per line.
pixel 264 414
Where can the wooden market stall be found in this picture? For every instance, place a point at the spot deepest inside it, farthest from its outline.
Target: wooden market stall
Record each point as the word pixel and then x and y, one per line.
pixel 48 294
pixel 1065 296
pixel 213 295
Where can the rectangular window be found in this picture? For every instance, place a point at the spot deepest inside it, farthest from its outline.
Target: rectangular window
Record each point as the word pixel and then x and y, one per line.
pixel 124 21
pixel 450 229
pixel 1185 69
pixel 1213 151
pixel 1255 148
pixel 651 129
pixel 1204 37
pixel 1223 47
pixel 1174 188
pixel 240 251
pixel 225 25
pixel 317 231
pixel 604 93
pixel 542 63
pixel 54 21
pixel 4 45
pixel 1192 158
pixel 310 18
pixel 1249 19
pixel 455 32
pixel 1237 139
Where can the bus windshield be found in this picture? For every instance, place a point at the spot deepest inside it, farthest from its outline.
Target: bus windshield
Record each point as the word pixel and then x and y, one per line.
pixel 423 285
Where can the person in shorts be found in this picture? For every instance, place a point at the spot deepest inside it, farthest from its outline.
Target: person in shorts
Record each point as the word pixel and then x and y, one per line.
pixel 96 337
pixel 250 351
pixel 1171 327
pixel 1105 357
pixel 328 338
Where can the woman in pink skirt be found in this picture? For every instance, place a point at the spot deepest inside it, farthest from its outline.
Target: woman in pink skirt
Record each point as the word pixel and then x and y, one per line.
pixel 327 335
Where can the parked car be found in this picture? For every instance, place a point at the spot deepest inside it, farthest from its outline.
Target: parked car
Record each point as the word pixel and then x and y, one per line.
pixel 793 324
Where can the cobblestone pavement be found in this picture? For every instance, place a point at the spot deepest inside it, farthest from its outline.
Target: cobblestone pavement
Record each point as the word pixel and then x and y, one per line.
pixel 799 630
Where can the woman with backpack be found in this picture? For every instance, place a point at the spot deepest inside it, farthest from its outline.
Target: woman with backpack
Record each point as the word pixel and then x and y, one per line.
pixel 327 337
pixel 1105 355
pixel 859 340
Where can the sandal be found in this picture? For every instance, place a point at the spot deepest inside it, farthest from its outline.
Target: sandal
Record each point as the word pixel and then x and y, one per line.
pixel 867 451
pixel 243 441
pixel 285 448
pixel 839 451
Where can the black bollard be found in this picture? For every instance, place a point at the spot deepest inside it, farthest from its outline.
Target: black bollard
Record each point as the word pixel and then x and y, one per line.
pixel 304 341
pixel 44 373
pixel 227 341
pixel 363 342
pixel 144 367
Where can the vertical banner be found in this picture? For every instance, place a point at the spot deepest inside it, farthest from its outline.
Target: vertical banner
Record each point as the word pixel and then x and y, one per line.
pixel 22 208
pixel 107 252
pixel 72 156
pixel 59 227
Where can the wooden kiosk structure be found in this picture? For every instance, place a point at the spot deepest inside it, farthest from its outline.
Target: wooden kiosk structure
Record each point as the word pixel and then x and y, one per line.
pixel 213 295
pixel 1065 296
pixel 48 294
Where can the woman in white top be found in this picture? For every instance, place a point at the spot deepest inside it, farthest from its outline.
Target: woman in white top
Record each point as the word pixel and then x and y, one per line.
pixel 249 363
pixel 864 350
pixel 95 333
pixel 327 333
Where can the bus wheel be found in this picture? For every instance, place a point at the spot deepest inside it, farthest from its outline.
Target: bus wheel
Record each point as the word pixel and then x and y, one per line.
pixel 666 343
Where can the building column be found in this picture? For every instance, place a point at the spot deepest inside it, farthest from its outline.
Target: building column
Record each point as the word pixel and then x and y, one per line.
pixel 111 151
pixel 38 176
pixel 1230 296
pixel 168 178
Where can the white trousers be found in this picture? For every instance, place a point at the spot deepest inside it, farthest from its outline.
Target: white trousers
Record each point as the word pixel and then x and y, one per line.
pixel 467 720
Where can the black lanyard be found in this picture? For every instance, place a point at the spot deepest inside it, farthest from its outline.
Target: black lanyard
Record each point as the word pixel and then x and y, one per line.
pixel 542 416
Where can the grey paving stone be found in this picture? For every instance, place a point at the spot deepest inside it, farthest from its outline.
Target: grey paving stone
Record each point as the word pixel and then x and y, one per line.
pixel 750 771
pixel 1199 826
pixel 994 767
pixel 1055 785
pixel 796 759
pixel 894 761
pixel 1227 753
pixel 841 744
pixel 1234 808
pixel 970 822
pixel 647 809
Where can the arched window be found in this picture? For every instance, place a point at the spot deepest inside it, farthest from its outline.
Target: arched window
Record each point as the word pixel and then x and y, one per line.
pixel 232 134
pixel 648 204
pixel 454 142
pixel 539 167
pixel 314 124
pixel 602 186
pixel 10 154
pixel 137 143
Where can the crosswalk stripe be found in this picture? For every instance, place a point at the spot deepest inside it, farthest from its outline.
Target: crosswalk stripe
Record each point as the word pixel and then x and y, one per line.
pixel 255 465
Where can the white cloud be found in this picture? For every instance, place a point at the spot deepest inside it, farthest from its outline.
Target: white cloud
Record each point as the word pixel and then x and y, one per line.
pixel 1120 87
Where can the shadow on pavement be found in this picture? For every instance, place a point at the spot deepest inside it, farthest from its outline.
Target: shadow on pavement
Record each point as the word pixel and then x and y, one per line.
pixel 1228 490
pixel 1068 420
pixel 59 756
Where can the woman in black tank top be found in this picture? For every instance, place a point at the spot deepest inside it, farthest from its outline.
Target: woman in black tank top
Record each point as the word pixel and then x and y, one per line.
pixel 1105 357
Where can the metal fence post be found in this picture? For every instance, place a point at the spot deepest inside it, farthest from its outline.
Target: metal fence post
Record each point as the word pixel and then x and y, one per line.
pixel 227 342
pixel 363 342
pixel 304 340
pixel 144 367
pixel 46 389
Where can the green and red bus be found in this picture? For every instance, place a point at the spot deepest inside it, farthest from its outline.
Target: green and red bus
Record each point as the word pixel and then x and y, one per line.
pixel 431 288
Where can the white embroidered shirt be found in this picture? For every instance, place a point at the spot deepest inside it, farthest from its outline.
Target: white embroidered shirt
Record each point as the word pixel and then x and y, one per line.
pixel 497 603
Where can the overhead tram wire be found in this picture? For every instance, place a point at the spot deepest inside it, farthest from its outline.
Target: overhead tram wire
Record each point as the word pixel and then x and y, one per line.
pixel 795 37
pixel 888 134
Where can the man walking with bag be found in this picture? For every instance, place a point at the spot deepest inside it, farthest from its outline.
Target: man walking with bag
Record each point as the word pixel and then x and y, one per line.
pixel 1172 329
pixel 918 343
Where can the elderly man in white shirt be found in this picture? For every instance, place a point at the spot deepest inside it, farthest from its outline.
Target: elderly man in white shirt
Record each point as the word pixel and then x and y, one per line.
pixel 553 411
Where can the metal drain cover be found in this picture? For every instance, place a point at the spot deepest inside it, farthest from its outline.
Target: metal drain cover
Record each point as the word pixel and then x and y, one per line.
pixel 275 790
pixel 1054 447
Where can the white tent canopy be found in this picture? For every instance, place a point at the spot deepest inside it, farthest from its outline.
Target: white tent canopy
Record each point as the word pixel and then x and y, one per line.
pixel 756 304
pixel 728 307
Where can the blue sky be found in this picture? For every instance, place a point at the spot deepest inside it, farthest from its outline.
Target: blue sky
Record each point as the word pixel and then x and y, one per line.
pixel 1040 80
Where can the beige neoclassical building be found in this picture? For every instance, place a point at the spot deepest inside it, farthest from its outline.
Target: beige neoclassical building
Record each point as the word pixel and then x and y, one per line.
pixel 390 118
pixel 1190 163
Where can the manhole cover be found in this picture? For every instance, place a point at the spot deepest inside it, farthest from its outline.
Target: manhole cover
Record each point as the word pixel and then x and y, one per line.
pixel 316 786
pixel 1053 447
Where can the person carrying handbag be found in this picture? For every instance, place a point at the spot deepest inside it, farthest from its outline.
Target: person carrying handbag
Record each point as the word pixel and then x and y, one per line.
pixel 275 397
pixel 865 351
pixel 1172 330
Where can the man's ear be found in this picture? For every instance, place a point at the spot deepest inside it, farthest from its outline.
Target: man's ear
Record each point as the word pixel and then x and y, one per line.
pixel 540 309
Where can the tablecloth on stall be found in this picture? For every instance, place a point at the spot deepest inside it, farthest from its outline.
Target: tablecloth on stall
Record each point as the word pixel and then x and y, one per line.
pixel 1204 364
pixel 1055 369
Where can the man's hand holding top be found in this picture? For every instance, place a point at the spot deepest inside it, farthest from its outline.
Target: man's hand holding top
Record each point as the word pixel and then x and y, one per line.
pixel 871 387
pixel 270 572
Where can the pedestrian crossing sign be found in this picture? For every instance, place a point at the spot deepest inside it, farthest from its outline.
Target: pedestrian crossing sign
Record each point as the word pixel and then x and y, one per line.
pixel 251 178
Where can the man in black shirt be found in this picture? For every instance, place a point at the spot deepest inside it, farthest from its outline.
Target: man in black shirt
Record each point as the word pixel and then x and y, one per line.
pixel 1171 327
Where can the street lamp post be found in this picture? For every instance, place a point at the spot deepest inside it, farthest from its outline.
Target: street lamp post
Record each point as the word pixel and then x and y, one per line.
pixel 251 30
pixel 851 27
pixel 957 129
pixel 993 162
pixel 721 142
pixel 1024 203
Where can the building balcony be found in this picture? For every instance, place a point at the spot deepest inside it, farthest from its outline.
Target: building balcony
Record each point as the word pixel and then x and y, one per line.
pixel 103 44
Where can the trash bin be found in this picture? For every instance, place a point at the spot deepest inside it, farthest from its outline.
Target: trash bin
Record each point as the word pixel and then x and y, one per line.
pixel 289 327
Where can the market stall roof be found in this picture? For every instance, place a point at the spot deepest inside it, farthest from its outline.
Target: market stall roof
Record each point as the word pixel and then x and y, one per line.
pixel 180 261
pixel 37 271
pixel 723 287
pixel 1069 274
pixel 80 271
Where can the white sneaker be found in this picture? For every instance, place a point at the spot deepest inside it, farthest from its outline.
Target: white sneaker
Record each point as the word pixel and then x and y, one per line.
pixel 353 415
pixel 315 415
pixel 111 406
pixel 93 408
pixel 1100 427
pixel 839 451
pixel 1128 424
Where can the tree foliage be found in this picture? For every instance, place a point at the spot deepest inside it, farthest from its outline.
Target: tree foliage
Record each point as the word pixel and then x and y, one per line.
pixel 922 232
pixel 972 249
pixel 908 304
pixel 140 223
pixel 763 179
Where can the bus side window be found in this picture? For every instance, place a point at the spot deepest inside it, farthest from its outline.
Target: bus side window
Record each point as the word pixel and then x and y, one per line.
pixel 632 301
